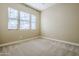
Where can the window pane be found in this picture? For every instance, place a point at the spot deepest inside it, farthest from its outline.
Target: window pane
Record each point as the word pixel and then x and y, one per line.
pixel 12 24
pixel 33 17
pixel 24 25
pixel 33 22
pixel 12 13
pixel 33 25
pixel 24 16
pixel 24 20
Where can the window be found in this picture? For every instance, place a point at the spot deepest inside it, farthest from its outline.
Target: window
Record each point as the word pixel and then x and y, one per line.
pixel 24 20
pixel 33 22
pixel 12 16
pixel 21 20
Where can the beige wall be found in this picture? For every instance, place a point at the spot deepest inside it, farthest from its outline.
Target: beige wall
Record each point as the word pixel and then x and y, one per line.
pixel 14 35
pixel 61 21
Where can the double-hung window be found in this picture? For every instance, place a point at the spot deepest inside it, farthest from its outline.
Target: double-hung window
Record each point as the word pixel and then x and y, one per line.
pixel 13 18
pixel 33 22
pixel 21 20
pixel 24 20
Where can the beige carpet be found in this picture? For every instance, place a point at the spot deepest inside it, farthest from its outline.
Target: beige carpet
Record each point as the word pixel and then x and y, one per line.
pixel 40 47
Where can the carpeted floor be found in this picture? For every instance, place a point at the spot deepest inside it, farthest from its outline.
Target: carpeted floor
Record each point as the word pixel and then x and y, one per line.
pixel 40 47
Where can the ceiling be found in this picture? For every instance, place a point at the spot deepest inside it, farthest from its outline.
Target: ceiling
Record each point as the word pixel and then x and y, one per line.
pixel 40 6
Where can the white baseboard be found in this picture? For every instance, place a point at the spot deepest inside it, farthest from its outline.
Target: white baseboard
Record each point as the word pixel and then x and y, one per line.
pixel 19 41
pixel 71 43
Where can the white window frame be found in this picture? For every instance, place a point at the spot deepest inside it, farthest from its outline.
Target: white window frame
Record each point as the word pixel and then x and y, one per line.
pixel 18 20
pixel 12 18
pixel 33 22
pixel 26 20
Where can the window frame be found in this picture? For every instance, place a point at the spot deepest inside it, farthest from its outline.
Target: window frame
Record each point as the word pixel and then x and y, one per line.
pixel 28 21
pixel 10 19
pixel 19 20
pixel 33 22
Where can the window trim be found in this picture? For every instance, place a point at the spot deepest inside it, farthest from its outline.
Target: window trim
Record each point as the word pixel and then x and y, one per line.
pixel 35 22
pixel 12 18
pixel 18 20
pixel 24 20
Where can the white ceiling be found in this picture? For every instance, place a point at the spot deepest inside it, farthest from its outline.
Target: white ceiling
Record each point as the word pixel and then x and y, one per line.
pixel 40 6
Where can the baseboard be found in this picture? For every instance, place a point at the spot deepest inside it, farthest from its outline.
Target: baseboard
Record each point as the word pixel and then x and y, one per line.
pixel 75 44
pixel 19 41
